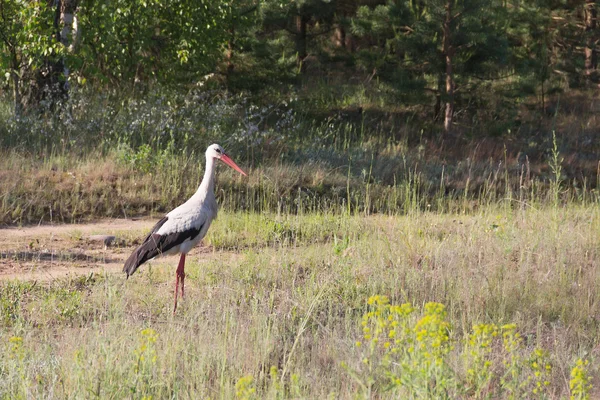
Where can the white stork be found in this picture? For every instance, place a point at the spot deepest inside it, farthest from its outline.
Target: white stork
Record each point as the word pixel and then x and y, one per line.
pixel 181 229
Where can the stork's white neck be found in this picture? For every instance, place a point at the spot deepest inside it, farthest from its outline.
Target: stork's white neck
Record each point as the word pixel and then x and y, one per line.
pixel 208 182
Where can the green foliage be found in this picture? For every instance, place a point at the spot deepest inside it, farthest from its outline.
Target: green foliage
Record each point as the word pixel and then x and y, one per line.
pixel 386 56
pixel 478 358
pixel 409 54
pixel 27 40
pixel 27 34
pixel 126 42
pixel 10 297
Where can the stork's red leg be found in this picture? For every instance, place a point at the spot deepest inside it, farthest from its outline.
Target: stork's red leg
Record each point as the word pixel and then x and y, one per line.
pixel 180 276
pixel 176 291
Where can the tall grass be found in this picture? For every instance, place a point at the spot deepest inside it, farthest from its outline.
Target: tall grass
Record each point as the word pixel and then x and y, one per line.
pixel 64 188
pixel 281 316
pixel 102 156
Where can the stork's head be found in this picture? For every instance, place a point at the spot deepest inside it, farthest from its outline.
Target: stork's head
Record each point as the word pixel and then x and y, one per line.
pixel 216 151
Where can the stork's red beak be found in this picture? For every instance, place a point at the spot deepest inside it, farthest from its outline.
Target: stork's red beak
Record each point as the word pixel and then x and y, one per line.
pixel 233 165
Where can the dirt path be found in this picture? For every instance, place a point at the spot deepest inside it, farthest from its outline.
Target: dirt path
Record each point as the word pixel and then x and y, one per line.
pixel 48 252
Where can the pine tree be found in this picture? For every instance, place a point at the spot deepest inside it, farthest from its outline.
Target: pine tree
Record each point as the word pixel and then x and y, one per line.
pixel 436 46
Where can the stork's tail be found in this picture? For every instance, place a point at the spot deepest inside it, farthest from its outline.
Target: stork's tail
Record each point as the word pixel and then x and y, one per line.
pixel 136 259
pixel 146 251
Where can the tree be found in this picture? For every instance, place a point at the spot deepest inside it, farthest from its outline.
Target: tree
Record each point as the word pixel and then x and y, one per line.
pixel 242 17
pixel 28 45
pixel 302 19
pixel 591 40
pixel 11 54
pixel 448 49
pixel 130 42
pixel 442 47
pixel 69 32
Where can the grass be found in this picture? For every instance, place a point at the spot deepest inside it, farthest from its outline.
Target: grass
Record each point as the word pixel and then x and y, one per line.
pixel 279 314
pixel 484 251
pixel 104 156
pixel 396 179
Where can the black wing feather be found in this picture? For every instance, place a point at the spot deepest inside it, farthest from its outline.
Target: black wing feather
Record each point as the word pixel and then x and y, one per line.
pixel 156 244
pixel 157 226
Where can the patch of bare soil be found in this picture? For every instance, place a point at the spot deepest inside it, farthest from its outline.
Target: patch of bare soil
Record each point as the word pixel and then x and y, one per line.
pixel 46 252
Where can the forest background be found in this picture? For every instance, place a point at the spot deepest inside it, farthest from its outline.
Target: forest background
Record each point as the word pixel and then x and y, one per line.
pixel 449 92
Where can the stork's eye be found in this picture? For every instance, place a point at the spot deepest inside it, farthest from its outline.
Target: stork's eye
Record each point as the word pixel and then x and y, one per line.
pixel 219 151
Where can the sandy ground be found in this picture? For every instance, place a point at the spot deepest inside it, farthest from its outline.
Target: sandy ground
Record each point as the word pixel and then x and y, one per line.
pixel 47 252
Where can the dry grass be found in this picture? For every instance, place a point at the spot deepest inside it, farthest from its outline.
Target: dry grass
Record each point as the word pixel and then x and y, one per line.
pixel 394 179
pixel 296 305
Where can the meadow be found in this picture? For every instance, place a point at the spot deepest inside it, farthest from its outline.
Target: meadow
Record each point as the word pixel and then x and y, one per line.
pixel 349 264
pixel 501 303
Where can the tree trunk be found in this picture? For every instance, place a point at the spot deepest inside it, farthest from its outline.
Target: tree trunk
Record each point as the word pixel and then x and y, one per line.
pixel 340 36
pixel 48 83
pixel 14 72
pixel 448 50
pixel 345 10
pixel 301 22
pixel 437 108
pixel 230 47
pixel 591 54
pixel 68 33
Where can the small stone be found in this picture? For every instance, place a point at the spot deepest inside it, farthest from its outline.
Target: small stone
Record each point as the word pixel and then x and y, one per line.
pixel 106 239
